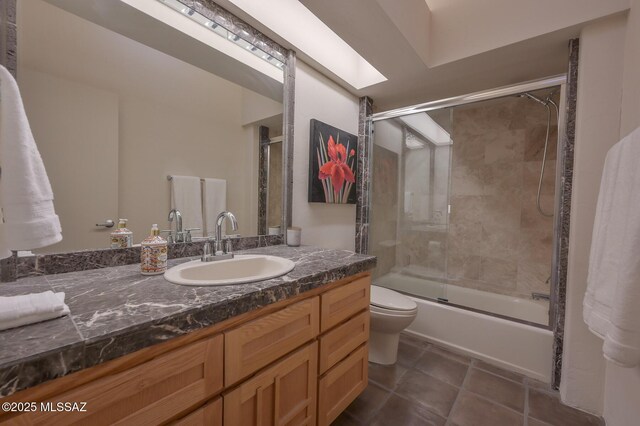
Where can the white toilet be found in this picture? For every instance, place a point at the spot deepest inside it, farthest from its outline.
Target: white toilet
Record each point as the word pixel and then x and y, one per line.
pixel 391 312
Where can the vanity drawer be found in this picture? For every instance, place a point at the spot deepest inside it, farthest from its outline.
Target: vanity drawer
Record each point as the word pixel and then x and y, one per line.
pixel 342 340
pixel 210 415
pixel 341 385
pixel 343 302
pixel 260 342
pixel 150 393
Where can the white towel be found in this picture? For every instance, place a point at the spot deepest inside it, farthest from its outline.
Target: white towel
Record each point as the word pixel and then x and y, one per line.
pixel 26 197
pixel 612 301
pixel 186 196
pixel 16 311
pixel 214 196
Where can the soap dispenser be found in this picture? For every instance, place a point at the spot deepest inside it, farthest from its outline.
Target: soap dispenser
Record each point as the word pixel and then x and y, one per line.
pixel 121 237
pixel 153 254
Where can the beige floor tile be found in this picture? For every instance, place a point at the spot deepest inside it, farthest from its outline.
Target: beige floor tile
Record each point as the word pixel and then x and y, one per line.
pixel 442 367
pixel 400 411
pixel 496 388
pixel 471 410
pixel 436 395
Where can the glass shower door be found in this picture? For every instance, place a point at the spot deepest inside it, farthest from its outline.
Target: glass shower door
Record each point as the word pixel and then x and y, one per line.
pixel 409 203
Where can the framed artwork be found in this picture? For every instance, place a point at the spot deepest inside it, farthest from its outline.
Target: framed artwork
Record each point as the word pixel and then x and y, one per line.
pixel 333 161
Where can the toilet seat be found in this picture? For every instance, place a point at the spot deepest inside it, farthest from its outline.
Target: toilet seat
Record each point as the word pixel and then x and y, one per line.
pixel 388 301
pixel 382 312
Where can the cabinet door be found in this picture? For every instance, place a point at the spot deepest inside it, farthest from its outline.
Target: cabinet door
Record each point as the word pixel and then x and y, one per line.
pixel 283 394
pixel 341 385
pixel 258 343
pixel 342 303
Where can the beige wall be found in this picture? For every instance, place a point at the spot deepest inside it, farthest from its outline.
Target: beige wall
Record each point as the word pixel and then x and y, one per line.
pixel 597 129
pixel 622 385
pixel 158 139
pixel 631 74
pixel 324 225
pixel 62 113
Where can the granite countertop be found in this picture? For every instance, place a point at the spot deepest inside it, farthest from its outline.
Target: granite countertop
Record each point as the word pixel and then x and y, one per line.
pixel 116 311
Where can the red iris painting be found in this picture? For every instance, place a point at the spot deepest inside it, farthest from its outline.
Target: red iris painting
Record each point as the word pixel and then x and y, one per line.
pixel 333 158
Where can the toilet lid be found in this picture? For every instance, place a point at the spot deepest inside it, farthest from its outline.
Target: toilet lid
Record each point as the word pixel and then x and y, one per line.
pixel 389 299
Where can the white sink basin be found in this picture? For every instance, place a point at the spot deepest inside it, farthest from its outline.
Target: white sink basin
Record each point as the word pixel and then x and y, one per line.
pixel 239 270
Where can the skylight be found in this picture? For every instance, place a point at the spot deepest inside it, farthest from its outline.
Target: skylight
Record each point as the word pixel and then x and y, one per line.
pixel 428 128
pixel 292 21
pixel 220 30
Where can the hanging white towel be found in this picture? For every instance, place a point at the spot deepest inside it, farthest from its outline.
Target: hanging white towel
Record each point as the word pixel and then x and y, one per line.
pixel 214 195
pixel 16 311
pixel 186 196
pixel 26 197
pixel 612 300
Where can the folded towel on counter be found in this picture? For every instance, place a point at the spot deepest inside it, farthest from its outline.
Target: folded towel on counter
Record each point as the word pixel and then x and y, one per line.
pixel 612 301
pixel 26 197
pixel 186 196
pixel 214 197
pixel 16 311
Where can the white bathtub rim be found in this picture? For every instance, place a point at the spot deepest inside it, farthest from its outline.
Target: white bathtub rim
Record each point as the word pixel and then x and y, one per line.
pixel 539 369
pixel 457 296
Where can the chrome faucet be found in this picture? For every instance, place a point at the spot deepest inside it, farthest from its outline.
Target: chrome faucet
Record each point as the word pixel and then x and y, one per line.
pixel 178 236
pixel 219 249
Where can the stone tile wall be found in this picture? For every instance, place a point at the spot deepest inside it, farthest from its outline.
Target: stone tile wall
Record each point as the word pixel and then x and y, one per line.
pixel 497 239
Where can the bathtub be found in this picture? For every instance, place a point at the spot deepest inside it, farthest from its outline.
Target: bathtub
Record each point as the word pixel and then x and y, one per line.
pixel 511 345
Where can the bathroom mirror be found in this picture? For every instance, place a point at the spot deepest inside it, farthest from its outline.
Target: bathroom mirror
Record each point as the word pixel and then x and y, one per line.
pixel 123 94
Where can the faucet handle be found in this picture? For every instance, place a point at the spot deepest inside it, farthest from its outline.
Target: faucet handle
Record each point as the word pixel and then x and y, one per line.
pixel 226 243
pixel 169 233
pixel 206 251
pixel 187 234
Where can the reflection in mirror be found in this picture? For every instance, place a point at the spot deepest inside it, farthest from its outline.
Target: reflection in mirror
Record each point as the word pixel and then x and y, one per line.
pixel 270 167
pixel 119 98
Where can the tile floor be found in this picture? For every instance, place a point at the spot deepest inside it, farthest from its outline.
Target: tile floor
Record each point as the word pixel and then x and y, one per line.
pixel 432 386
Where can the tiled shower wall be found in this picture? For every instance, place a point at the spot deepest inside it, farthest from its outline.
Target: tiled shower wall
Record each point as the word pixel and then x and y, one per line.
pixel 497 239
pixel 494 239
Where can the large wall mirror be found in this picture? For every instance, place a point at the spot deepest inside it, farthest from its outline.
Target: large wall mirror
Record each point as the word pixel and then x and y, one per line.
pixel 122 94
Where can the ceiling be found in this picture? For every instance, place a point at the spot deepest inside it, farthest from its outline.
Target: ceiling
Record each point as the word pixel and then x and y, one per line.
pixel 434 49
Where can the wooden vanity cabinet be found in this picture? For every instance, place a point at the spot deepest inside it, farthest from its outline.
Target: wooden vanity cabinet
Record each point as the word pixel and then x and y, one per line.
pixel 343 365
pixel 300 361
pixel 283 394
pixel 150 393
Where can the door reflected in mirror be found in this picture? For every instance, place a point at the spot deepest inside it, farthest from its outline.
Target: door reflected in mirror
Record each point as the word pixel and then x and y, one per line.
pixel 118 100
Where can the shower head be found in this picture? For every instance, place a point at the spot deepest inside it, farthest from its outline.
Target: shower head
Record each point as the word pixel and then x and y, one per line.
pixel 533 97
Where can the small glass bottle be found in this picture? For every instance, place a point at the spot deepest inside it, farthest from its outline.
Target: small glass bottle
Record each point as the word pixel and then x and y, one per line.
pixel 153 253
pixel 121 237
